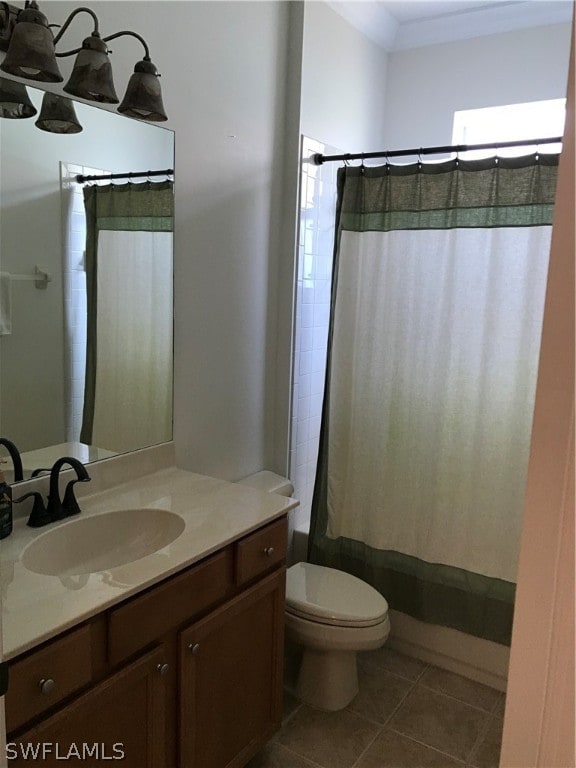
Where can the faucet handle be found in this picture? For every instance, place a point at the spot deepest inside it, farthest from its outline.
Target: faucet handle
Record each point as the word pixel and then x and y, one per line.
pixel 69 502
pixel 38 516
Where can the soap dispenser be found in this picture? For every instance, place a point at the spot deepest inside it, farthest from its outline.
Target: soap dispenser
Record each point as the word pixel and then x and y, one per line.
pixel 5 507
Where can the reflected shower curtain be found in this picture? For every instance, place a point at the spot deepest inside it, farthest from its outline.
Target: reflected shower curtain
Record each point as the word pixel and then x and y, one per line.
pixel 128 391
pixel 437 304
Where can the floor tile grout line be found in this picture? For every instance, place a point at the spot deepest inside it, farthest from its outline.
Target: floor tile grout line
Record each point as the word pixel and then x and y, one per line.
pixel 285 721
pixel 480 738
pixel 421 675
pixel 428 746
pixel 429 665
pixel 292 752
pixel 380 723
pixel 291 714
pixel 397 674
pixel 367 747
pixel 455 698
pixel 383 726
pixel 400 703
pixel 379 729
pixel 497 704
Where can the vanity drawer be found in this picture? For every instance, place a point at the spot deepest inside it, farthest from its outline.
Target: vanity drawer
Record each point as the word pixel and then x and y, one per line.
pixel 148 617
pixel 48 675
pixel 261 551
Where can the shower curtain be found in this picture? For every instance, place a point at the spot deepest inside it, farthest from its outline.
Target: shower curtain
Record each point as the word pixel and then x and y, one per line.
pixel 437 302
pixel 128 389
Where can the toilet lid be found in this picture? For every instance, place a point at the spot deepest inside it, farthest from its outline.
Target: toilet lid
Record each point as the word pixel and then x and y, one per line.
pixel 331 596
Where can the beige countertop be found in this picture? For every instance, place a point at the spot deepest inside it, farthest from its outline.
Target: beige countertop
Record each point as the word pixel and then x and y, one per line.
pixel 36 607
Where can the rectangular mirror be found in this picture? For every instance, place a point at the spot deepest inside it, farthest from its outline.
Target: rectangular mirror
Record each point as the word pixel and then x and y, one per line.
pixel 49 405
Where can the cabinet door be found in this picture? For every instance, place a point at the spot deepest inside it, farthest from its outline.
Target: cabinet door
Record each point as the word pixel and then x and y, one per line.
pixel 231 678
pixel 120 720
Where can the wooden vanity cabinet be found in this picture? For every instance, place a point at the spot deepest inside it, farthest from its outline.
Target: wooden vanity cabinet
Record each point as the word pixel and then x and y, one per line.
pixel 187 674
pixel 122 718
pixel 231 667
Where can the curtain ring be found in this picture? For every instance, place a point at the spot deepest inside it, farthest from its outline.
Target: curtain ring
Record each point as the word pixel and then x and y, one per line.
pixel 420 159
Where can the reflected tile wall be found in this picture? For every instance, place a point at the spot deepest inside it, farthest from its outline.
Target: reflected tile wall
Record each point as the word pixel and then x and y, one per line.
pixel 74 276
pixel 315 250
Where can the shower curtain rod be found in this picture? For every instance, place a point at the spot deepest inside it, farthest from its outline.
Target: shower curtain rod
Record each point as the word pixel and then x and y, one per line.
pixel 319 159
pixel 130 175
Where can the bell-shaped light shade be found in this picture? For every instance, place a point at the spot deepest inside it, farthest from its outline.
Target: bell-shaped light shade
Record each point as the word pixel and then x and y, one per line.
pixel 14 100
pixel 91 77
pixel 143 99
pixel 58 115
pixel 31 50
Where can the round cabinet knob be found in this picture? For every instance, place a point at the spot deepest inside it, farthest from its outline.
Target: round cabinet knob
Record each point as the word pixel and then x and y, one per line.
pixel 163 668
pixel 46 685
pixel 269 551
pixel 194 647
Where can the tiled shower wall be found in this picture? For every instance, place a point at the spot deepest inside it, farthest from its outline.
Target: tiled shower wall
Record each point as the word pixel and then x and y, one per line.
pixel 315 252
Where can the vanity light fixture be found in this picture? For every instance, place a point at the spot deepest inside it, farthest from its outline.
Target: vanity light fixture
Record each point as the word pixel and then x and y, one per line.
pixel 91 76
pixel 31 54
pixel 58 115
pixel 15 103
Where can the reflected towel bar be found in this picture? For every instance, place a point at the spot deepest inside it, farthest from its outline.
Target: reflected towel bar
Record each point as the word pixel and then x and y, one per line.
pixel 40 277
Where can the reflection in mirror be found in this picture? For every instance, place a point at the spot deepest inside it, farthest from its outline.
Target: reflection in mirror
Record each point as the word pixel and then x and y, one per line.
pixel 52 403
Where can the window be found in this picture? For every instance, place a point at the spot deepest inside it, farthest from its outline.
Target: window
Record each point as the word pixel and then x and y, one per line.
pixel 512 122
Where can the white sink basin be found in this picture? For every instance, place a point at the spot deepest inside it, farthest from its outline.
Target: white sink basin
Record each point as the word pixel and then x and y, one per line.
pixel 101 542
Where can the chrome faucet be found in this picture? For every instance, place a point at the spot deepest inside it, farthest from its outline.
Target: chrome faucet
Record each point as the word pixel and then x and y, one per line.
pixel 16 459
pixel 57 509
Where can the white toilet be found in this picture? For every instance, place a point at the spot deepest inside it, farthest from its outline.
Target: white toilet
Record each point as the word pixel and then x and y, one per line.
pixel 332 615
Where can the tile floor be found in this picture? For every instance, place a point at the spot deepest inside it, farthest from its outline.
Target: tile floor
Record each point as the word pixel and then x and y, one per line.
pixel 408 714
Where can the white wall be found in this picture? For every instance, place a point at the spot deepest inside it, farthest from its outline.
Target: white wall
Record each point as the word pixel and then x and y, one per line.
pixel 343 82
pixel 426 85
pixel 227 236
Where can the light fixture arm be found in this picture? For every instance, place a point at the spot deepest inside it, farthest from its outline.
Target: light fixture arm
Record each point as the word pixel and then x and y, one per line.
pixel 131 34
pixel 6 10
pixel 67 23
pixel 7 23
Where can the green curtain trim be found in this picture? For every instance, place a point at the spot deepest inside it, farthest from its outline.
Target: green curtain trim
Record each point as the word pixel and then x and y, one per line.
pixel 434 593
pixel 136 223
pixel 142 203
pixel 512 192
pixel 510 216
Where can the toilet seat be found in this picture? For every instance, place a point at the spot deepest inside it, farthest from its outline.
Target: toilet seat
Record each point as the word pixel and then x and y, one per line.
pixel 329 596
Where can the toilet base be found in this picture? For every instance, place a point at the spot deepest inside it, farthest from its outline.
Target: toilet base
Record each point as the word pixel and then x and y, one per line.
pixel 327 680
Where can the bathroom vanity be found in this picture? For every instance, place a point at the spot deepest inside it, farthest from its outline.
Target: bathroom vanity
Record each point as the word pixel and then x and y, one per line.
pixel 172 660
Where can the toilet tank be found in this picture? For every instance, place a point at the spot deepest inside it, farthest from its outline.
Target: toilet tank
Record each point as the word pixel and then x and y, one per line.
pixel 270 482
